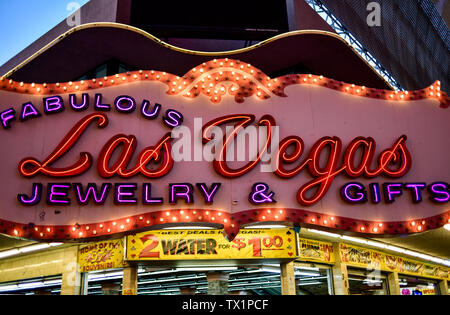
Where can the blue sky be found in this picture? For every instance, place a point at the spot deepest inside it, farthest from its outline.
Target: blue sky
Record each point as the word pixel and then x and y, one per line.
pixel 23 21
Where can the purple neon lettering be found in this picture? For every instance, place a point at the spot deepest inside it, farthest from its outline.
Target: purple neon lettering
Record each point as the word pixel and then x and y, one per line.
pixel 154 113
pixel 91 190
pixel 147 195
pixel 53 104
pixel 391 193
pixel 360 194
pixel 209 195
pixel 56 193
pixel 417 191
pixel 440 192
pixel 174 121
pixel 6 116
pixel 35 197
pixel 118 104
pixel 98 103
pixel 84 103
pixel 29 111
pixel 120 193
pixel 185 194
pixel 376 193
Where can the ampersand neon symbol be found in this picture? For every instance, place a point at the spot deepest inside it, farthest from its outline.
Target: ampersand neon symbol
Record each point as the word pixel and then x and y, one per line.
pixel 260 194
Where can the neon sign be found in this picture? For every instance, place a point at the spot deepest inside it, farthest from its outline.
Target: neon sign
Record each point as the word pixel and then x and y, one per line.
pixel 96 150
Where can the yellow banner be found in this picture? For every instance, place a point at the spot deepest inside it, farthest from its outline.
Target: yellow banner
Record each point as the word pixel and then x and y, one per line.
pixel 211 244
pixel 101 255
pixel 312 250
pixel 363 257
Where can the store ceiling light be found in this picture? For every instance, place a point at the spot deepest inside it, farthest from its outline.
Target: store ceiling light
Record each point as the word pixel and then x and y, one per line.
pixel 26 249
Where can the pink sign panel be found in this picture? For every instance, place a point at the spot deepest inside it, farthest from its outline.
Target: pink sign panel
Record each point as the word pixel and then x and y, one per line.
pixel 224 144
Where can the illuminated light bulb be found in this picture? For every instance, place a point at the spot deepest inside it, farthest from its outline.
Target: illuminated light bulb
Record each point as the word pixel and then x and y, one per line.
pixel 87 228
pixel 347 88
pixel 215 98
pixel 174 219
pixel 281 211
pixel 70 83
pixel 268 211
pixel 207 212
pixel 127 220
pixel 122 227
pixel 193 70
pixel 304 80
pixel 313 220
pixel 413 223
pixel 402 96
pixel 41 234
pixel 36 229
pixel 73 228
pixel 431 93
pixel 406 92
pixel 438 94
pixel 201 70
pixel 112 81
pixel 188 93
pixel 101 226
pixel 187 217
pixel 431 87
pixel 161 219
pixel 148 222
pixel 219 214
pixel 108 230
pixel 363 228
pixel 321 77
pixel 15 232
pixel 419 228
pixel 94 232
pixel 194 212
pixel 164 73
pixel 325 222
pixel 375 229
pixel 65 88
pixel 38 89
pixel 158 76
pixel 225 220
pixel 21 83
pixel 114 223
pixel 380 224
pixel 146 76
pixel 80 234
pixel 315 80
pixel 358 90
pixel 33 85
pixel 332 218
pixel 180 87
pixel 123 78
pixel 231 64
pixel 48 229
pixel 276 217
pixel 117 75
pixel 263 217
pixel 309 75
pixel 77 87
pixel 100 83
pixel 259 93
pixel 105 78
pixel 391 96
pixel 167 213
pixel 213 218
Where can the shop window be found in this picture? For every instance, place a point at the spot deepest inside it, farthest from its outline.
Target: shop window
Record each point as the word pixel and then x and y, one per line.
pixel 418 286
pixel 50 285
pixel 313 279
pixel 367 283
